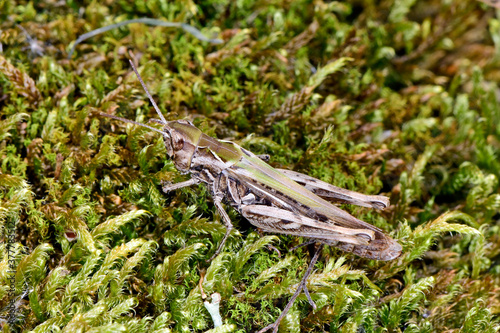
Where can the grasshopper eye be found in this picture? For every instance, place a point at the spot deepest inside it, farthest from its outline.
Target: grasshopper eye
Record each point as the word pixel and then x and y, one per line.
pixel 177 142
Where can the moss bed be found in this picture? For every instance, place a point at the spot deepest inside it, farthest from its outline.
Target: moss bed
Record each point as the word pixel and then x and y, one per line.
pixel 393 97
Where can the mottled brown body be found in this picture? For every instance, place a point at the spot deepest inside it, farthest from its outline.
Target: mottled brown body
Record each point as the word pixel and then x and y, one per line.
pixel 272 201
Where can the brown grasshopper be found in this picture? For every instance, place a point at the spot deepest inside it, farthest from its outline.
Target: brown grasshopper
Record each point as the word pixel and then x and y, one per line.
pixel 273 200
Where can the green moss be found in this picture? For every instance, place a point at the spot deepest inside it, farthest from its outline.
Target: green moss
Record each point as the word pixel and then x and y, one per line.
pixel 394 97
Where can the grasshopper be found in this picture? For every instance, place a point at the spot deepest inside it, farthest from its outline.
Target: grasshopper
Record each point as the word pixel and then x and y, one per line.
pixel 273 200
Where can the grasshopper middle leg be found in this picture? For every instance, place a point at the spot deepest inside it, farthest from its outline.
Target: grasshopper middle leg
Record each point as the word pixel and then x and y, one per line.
pixel 220 186
pixel 227 223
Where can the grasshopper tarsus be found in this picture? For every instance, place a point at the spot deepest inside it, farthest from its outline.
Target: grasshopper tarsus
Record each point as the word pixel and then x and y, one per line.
pixel 309 299
pixel 302 286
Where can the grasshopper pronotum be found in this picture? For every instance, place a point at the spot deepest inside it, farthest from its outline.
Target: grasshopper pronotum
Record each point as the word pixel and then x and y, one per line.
pixel 273 200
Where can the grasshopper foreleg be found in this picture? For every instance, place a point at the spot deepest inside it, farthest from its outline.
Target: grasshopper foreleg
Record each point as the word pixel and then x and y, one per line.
pixel 171 187
pixel 302 286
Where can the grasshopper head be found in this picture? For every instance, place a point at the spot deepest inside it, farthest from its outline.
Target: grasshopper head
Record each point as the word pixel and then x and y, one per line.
pixel 177 134
pixel 181 139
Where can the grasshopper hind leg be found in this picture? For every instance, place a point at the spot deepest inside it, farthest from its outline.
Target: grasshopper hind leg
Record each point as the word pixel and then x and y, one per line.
pixel 302 286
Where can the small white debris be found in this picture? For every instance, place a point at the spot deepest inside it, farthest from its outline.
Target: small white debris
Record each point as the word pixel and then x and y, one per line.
pixel 213 309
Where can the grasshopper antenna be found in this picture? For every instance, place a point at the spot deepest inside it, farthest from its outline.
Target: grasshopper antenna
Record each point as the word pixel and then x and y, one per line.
pixel 130 122
pixel 147 92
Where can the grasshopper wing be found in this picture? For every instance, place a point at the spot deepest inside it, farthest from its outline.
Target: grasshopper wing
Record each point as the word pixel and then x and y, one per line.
pixel 285 193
